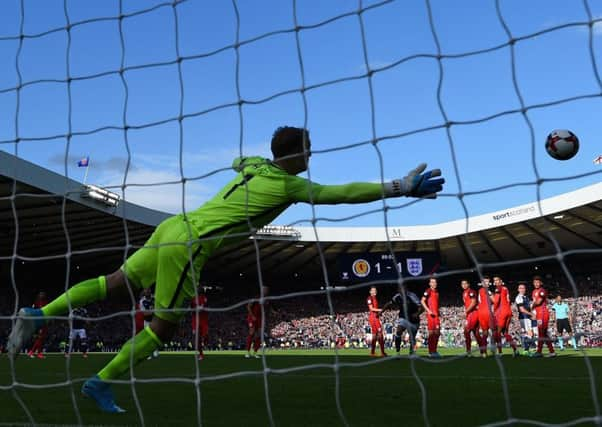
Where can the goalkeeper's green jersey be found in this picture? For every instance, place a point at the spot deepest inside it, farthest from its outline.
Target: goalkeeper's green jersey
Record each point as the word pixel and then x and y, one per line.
pixel 259 193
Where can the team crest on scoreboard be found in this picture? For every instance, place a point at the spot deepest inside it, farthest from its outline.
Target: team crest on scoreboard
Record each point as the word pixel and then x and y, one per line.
pixel 414 266
pixel 360 267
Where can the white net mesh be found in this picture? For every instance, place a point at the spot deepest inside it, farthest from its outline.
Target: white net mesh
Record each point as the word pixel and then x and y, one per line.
pixel 99 99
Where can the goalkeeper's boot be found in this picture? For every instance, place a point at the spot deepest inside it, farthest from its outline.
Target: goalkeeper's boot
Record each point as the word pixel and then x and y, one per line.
pixel 102 394
pixel 29 320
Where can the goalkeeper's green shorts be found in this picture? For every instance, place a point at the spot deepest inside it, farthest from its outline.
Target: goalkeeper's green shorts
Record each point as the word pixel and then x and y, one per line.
pixel 165 261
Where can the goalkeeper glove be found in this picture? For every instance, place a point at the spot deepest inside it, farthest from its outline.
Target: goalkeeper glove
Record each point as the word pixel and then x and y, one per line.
pixel 416 184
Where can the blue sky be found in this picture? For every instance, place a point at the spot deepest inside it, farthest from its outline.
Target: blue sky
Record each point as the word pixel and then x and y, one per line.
pixel 497 152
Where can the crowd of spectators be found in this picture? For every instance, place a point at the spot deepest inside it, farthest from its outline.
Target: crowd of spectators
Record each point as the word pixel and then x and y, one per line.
pixel 309 322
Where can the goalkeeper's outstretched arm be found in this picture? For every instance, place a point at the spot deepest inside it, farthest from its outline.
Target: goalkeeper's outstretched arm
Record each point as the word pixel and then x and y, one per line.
pixel 291 148
pixel 417 183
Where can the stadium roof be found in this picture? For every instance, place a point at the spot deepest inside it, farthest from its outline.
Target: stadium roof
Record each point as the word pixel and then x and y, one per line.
pixel 32 203
pixel 573 221
pixel 39 197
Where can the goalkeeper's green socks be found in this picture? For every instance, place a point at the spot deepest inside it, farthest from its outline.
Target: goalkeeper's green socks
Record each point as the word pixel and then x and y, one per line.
pixel 142 345
pixel 79 295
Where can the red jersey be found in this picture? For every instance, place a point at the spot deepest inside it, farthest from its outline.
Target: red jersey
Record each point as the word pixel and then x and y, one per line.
pixel 501 300
pixel 542 294
pixel 256 310
pixel 483 301
pixel 39 303
pixel 372 303
pixel 432 300
pixel 468 296
pixel 200 317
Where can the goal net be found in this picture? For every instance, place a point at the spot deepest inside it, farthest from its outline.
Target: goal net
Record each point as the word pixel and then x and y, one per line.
pixel 117 115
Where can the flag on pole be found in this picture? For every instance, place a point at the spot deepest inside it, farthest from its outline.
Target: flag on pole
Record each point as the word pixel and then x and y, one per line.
pixel 83 163
pixel 598 160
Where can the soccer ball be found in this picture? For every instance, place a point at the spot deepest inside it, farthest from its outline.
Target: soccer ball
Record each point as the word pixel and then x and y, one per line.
pixel 562 144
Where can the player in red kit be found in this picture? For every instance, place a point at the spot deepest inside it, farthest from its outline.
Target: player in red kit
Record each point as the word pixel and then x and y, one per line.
pixel 485 314
pixel 542 315
pixel 471 326
pixel 375 325
pixel 200 322
pixel 139 318
pixel 255 323
pixel 502 311
pixel 37 349
pixel 430 302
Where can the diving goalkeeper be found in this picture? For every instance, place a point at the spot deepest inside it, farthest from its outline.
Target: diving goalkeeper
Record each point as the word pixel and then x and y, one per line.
pixel 175 253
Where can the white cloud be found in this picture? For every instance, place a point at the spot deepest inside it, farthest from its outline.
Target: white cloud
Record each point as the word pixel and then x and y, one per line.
pixel 154 180
pixel 161 189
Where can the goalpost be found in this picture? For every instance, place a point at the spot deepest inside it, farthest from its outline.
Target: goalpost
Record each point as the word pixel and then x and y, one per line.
pixel 126 75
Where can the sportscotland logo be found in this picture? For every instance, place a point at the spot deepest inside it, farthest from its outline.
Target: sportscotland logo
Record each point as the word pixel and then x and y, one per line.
pixel 414 266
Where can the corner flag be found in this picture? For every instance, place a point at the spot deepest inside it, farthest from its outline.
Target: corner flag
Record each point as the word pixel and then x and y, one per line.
pixel 83 163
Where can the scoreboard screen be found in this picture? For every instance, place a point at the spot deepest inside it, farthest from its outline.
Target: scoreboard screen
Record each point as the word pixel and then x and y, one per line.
pixel 365 267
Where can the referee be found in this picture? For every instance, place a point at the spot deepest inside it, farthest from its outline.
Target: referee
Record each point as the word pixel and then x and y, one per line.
pixel 563 322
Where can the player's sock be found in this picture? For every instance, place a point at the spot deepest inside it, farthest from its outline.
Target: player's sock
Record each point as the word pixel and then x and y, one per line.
pixel 497 338
pixel 397 343
pixel 431 342
pixel 37 346
pixel 142 345
pixel 550 345
pixel 81 294
pixel 373 344
pixel 574 343
pixel 482 341
pixel 510 341
pixel 256 344
pixel 561 343
pixel 525 342
pixel 381 343
pixel 249 341
pixel 468 340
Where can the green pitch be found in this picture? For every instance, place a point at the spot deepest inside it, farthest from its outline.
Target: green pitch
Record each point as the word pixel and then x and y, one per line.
pixel 373 392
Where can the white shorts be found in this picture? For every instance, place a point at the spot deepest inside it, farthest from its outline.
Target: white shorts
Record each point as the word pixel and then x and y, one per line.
pixel 81 333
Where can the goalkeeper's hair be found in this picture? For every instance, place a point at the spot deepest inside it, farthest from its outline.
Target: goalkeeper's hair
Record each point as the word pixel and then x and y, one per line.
pixel 288 140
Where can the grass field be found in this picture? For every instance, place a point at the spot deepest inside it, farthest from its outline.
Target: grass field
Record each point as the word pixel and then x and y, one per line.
pixel 373 392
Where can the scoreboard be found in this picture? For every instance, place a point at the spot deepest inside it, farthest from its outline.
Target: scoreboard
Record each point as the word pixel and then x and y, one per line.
pixel 365 267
